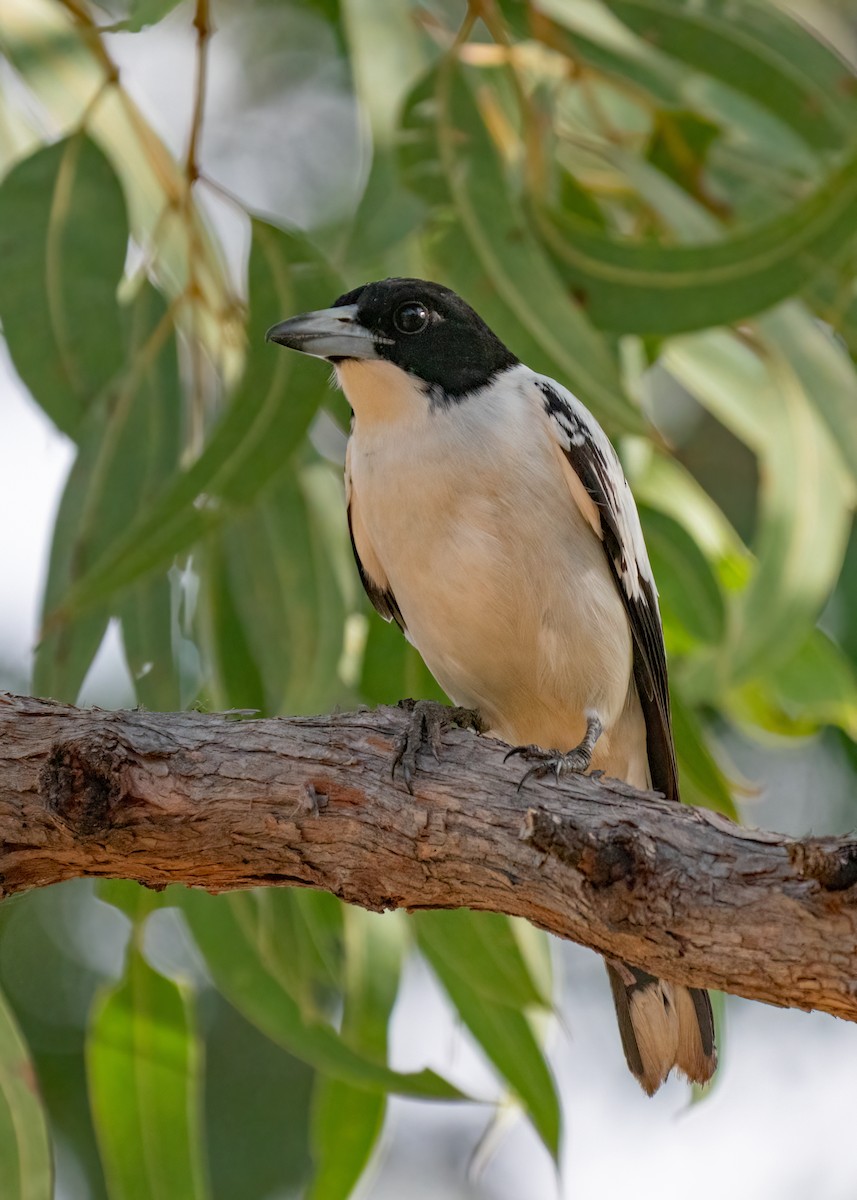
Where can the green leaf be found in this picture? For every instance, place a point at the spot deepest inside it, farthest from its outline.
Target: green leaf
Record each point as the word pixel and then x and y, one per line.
pixel 25 1150
pixel 300 932
pixel 346 1124
pixel 679 147
pixel 392 667
pixel 805 498
pixel 824 371
pixel 702 781
pixel 485 950
pixel 256 984
pixel 386 55
pixel 648 288
pixel 237 677
pixel 688 587
pixel 758 51
pixel 347 1120
pixel 144 1069
pixel 147 611
pixel 669 487
pixel 590 36
pixel 485 249
pixel 266 420
pixel 128 442
pixel 503 1032
pixel 286 594
pixel 141 14
pixel 817 686
pixel 63 240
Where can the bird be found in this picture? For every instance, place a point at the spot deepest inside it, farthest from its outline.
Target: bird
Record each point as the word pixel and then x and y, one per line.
pixel 492 522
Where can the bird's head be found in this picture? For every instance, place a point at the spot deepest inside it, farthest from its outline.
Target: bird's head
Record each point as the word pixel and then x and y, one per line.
pixel 400 337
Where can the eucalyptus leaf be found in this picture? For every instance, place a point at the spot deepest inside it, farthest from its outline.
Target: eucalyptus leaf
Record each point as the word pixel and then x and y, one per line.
pixel 25 1148
pixel 266 420
pixel 63 241
pixel 347 1120
pixel 758 50
pixel 687 586
pixel 259 988
pixel 484 949
pixel 503 1032
pixel 806 497
pixel 128 443
pixel 144 1067
pixel 818 685
pixel 647 288
pixel 487 252
pixel 703 783
pixel 287 596
pixel 392 669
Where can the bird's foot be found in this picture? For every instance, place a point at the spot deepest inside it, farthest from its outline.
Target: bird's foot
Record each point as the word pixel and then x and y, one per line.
pixel 555 762
pixel 428 722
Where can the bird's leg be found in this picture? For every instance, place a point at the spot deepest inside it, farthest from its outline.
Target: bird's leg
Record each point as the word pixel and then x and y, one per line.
pixel 428 720
pixel 554 761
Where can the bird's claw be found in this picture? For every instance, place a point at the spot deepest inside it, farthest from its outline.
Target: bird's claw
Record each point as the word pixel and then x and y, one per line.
pixel 548 762
pixel 575 761
pixel 428 721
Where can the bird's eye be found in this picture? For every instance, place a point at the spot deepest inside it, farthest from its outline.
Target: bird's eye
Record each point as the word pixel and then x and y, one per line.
pixel 411 317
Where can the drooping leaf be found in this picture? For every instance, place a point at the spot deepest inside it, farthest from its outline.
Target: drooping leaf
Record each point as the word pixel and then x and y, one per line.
pixel 591 37
pixel 816 686
pixel 392 667
pixel 237 676
pixel 54 56
pixel 485 250
pixel 25 1150
pixel 702 781
pixel 301 934
pixel 386 54
pixel 503 1032
pixel 287 596
pixel 646 288
pixel 128 443
pixel 141 13
pixel 687 585
pixel 266 419
pixel 484 949
pixel 346 1124
pixel 347 1120
pixel 63 240
pixel 806 495
pixel 258 988
pixel 826 374
pixel 759 51
pixel 143 1060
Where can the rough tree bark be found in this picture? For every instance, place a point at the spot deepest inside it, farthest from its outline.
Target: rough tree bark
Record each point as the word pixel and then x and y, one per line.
pixel 217 802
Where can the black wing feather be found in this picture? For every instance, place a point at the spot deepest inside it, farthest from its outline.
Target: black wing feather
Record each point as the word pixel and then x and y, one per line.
pixel 594 461
pixel 382 598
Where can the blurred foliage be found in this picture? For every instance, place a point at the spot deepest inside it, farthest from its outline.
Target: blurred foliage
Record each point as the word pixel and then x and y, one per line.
pixel 654 201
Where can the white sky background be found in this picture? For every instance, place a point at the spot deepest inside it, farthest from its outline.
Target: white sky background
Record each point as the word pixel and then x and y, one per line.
pixel 780 1121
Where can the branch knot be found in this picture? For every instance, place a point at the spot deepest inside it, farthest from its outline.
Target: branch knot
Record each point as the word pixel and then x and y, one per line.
pixel 80 783
pixel 613 855
pixel 832 863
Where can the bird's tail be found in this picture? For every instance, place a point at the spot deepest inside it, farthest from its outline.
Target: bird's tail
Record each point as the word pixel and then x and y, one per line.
pixel 663 1025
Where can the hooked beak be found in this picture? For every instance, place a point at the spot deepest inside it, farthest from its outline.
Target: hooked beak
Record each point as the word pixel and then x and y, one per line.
pixel 328 333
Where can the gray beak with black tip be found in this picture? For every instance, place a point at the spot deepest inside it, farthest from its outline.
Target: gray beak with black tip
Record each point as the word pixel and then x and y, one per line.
pixel 331 333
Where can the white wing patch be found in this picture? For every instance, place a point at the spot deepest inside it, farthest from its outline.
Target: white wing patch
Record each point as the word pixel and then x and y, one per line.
pixel 598 486
pixel 591 458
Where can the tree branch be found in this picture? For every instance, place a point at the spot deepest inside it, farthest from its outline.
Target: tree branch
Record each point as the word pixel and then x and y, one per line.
pixel 216 802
